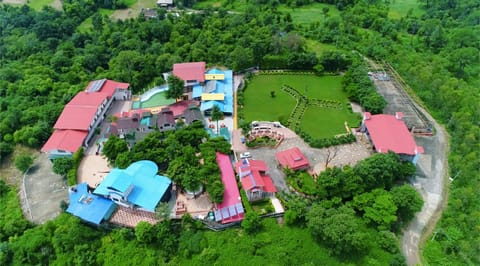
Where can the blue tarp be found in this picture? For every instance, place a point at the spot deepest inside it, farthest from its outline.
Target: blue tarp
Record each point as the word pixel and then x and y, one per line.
pixel 148 187
pixel 89 207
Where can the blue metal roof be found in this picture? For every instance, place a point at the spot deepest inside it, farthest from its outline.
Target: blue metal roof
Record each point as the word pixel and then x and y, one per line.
pixel 89 207
pixel 224 86
pixel 122 184
pixel 197 91
pixel 148 188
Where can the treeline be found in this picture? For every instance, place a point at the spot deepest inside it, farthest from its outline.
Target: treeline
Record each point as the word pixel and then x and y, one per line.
pixel 352 206
pixel 361 89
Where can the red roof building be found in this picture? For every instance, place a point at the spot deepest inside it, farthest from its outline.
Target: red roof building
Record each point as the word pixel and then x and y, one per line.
pixel 254 178
pixel 231 208
pixel 65 140
pixel 190 71
pixel 292 158
pixel 389 133
pixel 109 87
pixel 82 114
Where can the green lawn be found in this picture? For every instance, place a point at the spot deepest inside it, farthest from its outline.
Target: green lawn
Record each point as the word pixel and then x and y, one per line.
pixel 317 121
pixel 87 23
pixel 306 183
pixel 238 6
pixel 39 4
pixel 259 105
pixel 326 123
pixel 399 8
pixel 317 47
pixel 310 13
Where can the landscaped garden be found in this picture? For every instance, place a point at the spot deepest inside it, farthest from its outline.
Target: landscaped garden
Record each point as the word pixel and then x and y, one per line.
pixel 302 182
pixel 322 113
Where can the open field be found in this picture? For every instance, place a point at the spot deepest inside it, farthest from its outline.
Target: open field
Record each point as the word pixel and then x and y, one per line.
pixel 310 13
pixel 317 47
pixel 233 5
pixel 400 8
pixel 319 122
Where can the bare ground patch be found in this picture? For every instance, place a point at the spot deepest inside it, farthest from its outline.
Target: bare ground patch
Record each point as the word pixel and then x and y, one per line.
pixel 43 191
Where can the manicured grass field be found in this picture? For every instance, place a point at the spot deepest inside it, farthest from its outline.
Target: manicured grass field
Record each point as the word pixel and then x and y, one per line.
pixel 325 123
pixel 399 8
pixel 309 13
pixel 319 122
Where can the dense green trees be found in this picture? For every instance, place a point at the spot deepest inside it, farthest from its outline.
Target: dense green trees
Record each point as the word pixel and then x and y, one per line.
pixel 47 58
pixel 175 87
pixel 62 165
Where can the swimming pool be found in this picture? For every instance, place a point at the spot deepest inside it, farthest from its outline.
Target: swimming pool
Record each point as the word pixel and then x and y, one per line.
pixel 154 97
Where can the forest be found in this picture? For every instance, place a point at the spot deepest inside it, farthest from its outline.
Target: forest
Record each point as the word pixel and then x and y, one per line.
pixel 46 58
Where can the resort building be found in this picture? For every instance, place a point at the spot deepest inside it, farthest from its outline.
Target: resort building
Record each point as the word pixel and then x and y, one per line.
pixel 255 180
pixel 293 159
pixel 389 133
pixel 137 187
pixel 231 208
pixel 89 207
pixel 82 115
pixel 213 87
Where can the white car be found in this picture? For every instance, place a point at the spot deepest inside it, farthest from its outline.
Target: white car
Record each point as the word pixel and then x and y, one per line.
pixel 245 155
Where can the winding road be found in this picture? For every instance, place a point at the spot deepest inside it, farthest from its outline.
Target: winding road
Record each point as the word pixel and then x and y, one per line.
pixel 432 171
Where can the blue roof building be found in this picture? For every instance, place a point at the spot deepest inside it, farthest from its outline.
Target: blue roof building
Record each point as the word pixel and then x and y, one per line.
pixel 218 90
pixel 138 186
pixel 89 207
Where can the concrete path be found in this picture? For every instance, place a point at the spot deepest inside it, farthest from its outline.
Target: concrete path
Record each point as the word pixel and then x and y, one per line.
pixel 432 170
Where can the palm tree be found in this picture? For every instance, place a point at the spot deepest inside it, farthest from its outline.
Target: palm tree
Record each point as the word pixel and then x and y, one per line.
pixel 216 114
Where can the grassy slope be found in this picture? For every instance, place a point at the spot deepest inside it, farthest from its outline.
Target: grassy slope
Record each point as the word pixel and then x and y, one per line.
pixel 399 8
pixel 310 13
pixel 318 122
pixel 39 4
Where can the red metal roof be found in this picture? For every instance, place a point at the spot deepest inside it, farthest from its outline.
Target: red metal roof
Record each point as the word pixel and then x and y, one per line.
pixel 76 117
pixel 292 158
pixel 231 194
pixel 108 86
pixel 179 107
pixel 88 99
pixel 251 176
pixel 391 134
pixel 190 71
pixel 65 140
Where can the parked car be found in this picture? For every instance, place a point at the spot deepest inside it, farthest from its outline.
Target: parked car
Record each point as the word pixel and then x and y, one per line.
pixel 245 155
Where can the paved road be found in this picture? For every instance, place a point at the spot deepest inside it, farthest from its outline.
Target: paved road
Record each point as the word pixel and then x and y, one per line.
pixel 432 169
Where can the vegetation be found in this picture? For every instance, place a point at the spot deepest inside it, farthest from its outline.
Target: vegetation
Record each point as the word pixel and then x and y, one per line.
pixel 23 162
pixel 46 60
pixel 175 87
pixel 326 103
pixel 62 165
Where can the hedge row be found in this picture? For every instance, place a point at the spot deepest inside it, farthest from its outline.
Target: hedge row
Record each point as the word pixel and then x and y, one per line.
pixel 326 142
pixel 72 173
